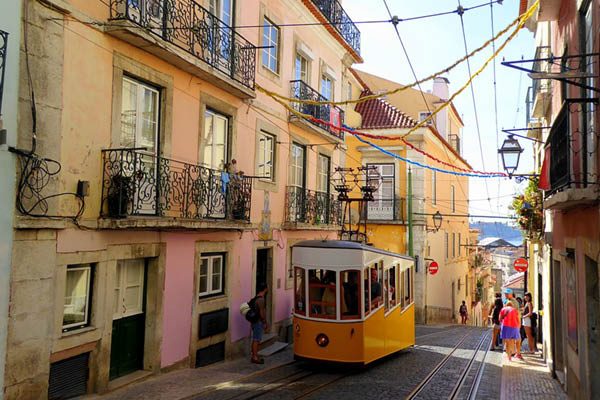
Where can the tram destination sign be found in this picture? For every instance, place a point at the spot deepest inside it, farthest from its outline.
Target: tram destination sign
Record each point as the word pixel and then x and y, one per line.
pixel 433 268
pixel 521 265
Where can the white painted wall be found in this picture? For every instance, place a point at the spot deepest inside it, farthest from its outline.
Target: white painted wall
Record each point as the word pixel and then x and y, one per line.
pixel 10 21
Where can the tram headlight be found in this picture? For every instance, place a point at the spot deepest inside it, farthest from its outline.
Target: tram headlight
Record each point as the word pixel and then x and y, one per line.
pixel 322 340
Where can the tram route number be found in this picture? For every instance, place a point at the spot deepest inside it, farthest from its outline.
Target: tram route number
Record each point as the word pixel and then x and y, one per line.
pixel 433 268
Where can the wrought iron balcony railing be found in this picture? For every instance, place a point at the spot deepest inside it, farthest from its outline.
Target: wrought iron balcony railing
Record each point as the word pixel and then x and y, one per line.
pixel 333 115
pixel 191 27
pixel 560 153
pixel 3 50
pixel 136 183
pixel 309 207
pixel 336 15
pixel 386 210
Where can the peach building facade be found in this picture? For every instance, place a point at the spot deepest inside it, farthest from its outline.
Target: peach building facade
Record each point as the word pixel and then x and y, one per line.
pixel 181 187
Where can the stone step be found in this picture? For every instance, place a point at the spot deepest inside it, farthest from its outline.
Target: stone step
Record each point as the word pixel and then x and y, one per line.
pixel 272 349
pixel 267 340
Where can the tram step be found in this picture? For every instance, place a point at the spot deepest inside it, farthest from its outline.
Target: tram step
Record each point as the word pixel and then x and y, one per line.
pixel 272 349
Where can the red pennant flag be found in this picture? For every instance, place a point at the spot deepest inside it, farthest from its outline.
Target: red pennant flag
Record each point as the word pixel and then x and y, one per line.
pixel 544 183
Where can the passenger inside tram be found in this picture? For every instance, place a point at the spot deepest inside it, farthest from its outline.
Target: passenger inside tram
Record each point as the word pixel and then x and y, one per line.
pixel 350 289
pixel 375 289
pixel 328 298
pixel 315 291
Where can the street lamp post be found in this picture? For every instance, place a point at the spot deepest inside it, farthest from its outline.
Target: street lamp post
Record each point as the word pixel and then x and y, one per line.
pixel 511 153
pixel 437 220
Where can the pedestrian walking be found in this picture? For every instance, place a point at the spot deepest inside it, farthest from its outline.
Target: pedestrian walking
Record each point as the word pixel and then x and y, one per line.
pixel 477 314
pixel 528 323
pixel 463 313
pixel 260 325
pixel 495 318
pixel 510 297
pixel 509 318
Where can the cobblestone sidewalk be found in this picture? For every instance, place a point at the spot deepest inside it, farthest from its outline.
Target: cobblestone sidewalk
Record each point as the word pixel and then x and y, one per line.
pixel 529 379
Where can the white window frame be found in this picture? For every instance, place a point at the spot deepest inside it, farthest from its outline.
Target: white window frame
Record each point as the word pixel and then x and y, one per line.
pixel 326 89
pixel 323 171
pixel 297 170
pixel 210 117
pixel 423 115
pixel 266 156
pixel 88 291
pixel 302 74
pixel 270 37
pixel 139 114
pixel 210 291
pixel 121 285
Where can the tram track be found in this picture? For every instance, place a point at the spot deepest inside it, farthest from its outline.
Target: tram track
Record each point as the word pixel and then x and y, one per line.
pixel 435 384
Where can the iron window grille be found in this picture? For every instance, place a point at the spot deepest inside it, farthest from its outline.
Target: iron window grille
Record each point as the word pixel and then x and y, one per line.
pixel 310 207
pixel 333 115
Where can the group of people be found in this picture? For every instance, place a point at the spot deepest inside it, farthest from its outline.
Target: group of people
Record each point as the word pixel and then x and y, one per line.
pixel 514 320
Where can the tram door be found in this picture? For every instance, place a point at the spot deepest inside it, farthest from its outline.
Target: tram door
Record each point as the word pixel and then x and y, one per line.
pixel 264 272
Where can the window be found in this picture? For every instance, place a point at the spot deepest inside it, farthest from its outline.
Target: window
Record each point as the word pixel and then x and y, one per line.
pixel 78 291
pixel 382 206
pixel 223 9
pixel 266 155
pixel 433 188
pixel 215 140
pixel 271 42
pixel 129 288
pixel 212 274
pixel 350 294
pixel 323 167
pixel 301 68
pixel 459 245
pixel 446 247
pixel 322 286
pixel 297 162
pixel 424 115
pixel 139 115
pixel 453 245
pixel 452 198
pixel 389 287
pixel 326 87
pixel 300 291
pixel 349 91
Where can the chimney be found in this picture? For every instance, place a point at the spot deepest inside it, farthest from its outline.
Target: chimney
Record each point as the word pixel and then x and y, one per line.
pixel 440 87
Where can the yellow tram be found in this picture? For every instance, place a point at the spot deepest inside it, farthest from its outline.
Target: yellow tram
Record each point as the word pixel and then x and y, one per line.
pixel 353 303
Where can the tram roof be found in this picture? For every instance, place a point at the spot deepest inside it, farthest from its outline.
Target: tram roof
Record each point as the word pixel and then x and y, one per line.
pixel 345 244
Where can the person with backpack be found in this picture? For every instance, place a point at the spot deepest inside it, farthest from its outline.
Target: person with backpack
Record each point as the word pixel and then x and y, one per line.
pixel 257 317
pixel 495 317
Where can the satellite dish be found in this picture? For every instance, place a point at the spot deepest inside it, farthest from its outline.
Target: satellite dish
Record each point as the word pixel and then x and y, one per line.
pixel 354 216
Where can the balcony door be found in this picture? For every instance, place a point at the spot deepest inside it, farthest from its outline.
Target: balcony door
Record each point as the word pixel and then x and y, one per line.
pixel 382 206
pixel 223 34
pixel 297 191
pixel 139 130
pixel 215 155
pixel 323 190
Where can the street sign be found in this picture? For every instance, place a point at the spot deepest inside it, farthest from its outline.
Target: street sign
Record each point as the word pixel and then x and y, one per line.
pixel 521 265
pixel 433 268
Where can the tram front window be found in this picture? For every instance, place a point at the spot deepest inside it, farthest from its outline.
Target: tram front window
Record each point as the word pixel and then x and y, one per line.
pixel 322 286
pixel 350 294
pixel 300 291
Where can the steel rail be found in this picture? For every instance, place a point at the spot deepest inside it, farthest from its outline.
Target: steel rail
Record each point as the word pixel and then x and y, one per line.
pixel 460 383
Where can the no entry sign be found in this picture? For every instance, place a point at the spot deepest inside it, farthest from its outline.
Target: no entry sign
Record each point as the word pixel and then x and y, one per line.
pixel 521 265
pixel 433 268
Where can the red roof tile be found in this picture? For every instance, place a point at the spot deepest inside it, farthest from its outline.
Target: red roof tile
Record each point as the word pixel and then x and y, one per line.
pixel 379 114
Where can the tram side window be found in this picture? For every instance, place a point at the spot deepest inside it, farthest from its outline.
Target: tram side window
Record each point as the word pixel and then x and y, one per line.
pixel 409 282
pixel 350 294
pixel 321 293
pixel 300 291
pixel 402 288
pixel 390 287
pixel 376 295
pixel 367 286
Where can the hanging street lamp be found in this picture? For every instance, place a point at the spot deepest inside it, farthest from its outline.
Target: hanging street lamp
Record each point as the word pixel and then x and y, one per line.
pixel 511 153
pixel 437 220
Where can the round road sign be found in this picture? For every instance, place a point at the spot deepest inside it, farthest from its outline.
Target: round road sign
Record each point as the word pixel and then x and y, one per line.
pixel 521 265
pixel 433 268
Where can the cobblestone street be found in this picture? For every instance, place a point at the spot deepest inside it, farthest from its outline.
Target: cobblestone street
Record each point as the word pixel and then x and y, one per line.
pixel 445 363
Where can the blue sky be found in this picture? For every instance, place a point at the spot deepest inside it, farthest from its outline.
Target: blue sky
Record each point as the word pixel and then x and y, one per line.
pixel 434 43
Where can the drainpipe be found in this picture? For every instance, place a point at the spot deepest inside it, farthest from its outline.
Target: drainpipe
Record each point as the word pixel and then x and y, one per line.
pixel 410 216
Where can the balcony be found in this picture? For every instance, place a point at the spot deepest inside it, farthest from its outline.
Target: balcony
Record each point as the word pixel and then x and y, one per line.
pixel 569 177
pixel 541 88
pixel 454 141
pixel 387 211
pixel 333 115
pixel 3 49
pixel 309 207
pixel 333 12
pixel 190 37
pixel 138 184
